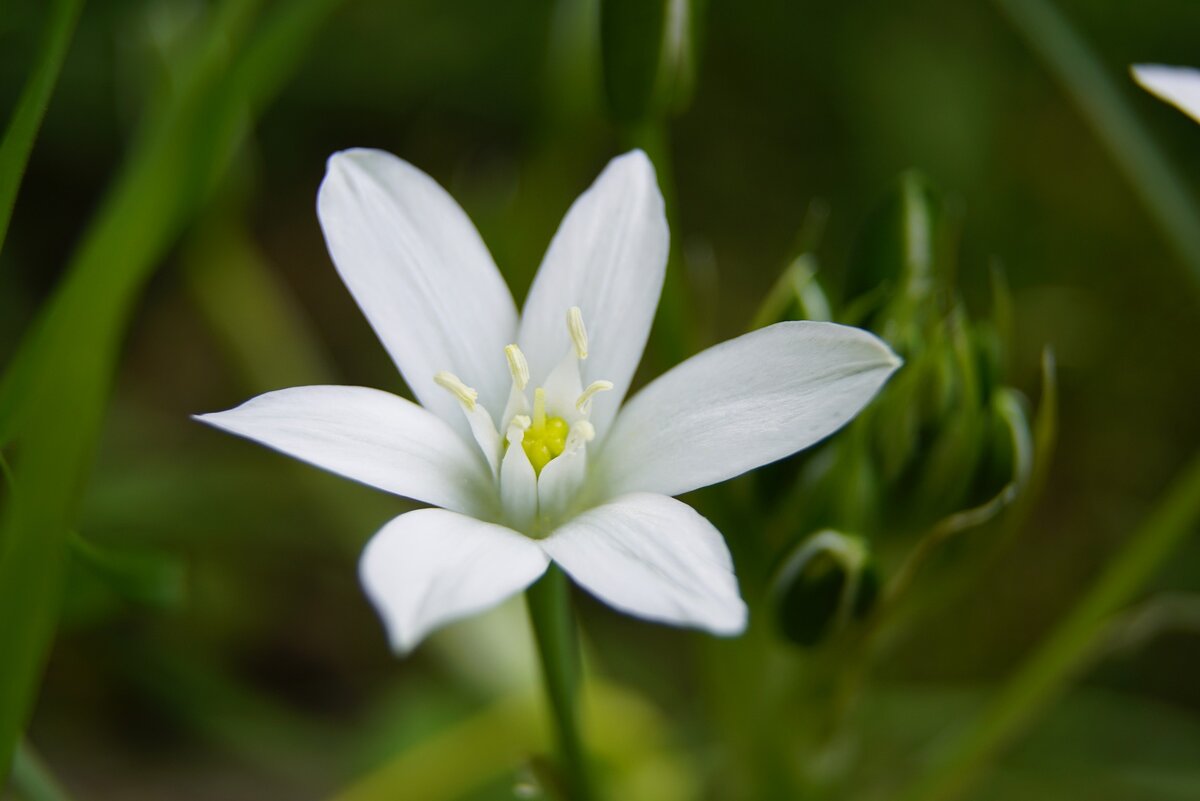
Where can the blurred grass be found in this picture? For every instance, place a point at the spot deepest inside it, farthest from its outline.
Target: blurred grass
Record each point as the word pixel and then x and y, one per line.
pixel 1114 122
pixel 1069 646
pixel 54 392
pixel 31 107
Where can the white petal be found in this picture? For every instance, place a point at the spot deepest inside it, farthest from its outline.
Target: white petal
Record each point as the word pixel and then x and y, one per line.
pixel 608 258
pixel 654 557
pixel 742 404
pixel 370 436
pixel 422 276
pixel 560 481
pixel 483 429
pixel 429 567
pixel 563 388
pixel 1179 86
pixel 518 485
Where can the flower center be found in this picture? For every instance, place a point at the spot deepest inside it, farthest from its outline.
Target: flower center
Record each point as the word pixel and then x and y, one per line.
pixel 546 437
pixel 537 481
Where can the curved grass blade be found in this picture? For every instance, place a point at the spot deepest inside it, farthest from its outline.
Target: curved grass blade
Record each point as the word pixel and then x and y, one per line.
pixel 1114 122
pixel 1069 647
pixel 53 396
pixel 32 104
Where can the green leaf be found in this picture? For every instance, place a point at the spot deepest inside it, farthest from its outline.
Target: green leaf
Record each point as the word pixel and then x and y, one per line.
pixel 1096 745
pixel 32 779
pixel 143 576
pixel 31 106
pixel 1072 643
pixel 648 56
pixel 52 397
pixel 795 295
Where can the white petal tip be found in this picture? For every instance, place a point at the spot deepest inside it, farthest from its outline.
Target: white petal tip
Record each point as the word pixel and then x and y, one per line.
pixel 636 161
pixel 210 418
pixel 400 646
pixel 1179 86
pixel 735 626
pixel 352 155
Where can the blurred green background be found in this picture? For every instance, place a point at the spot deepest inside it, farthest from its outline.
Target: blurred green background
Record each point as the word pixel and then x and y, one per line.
pixel 219 646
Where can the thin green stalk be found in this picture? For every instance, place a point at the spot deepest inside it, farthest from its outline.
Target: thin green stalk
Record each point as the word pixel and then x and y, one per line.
pixel 549 605
pixel 33 780
pixel 1114 122
pixel 32 104
pixel 1070 646
pixel 673 323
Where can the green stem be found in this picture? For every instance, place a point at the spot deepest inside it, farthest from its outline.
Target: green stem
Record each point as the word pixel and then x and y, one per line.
pixel 673 323
pixel 558 646
pixel 31 107
pixel 1070 646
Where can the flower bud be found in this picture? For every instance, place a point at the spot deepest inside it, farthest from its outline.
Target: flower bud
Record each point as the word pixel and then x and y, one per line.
pixel 828 581
pixel 902 265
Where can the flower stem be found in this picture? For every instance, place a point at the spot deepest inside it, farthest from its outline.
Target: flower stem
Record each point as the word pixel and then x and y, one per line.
pixel 558 645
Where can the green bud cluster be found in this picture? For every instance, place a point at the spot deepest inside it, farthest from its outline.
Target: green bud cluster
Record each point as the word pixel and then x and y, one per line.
pixel 945 437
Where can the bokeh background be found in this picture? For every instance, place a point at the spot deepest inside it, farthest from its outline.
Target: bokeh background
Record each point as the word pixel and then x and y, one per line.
pixel 220 647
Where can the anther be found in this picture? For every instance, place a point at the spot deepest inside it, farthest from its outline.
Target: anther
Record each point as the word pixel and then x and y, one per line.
pixel 578 332
pixel 581 433
pixel 517 366
pixel 516 429
pixel 584 402
pixel 586 430
pixel 449 381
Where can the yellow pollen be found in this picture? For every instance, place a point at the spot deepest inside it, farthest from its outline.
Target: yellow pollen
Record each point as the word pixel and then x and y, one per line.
pixel 449 381
pixel 517 366
pixel 584 403
pixel 578 332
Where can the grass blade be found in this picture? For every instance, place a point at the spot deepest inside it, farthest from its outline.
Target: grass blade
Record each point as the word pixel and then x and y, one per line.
pixel 53 396
pixel 31 106
pixel 1114 122
pixel 1070 645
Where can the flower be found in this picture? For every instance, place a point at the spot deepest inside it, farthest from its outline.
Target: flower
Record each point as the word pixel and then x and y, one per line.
pixel 520 437
pixel 1179 86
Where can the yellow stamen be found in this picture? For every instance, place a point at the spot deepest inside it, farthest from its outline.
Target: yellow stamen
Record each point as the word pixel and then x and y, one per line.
pixel 449 381
pixel 539 408
pixel 578 332
pixel 584 403
pixel 517 365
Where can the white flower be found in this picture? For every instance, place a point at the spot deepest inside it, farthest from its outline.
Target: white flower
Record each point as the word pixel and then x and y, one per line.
pixel 1179 86
pixel 521 437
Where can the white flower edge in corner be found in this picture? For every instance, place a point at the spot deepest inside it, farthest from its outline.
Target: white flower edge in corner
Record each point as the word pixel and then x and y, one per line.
pixel 521 436
pixel 1179 86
